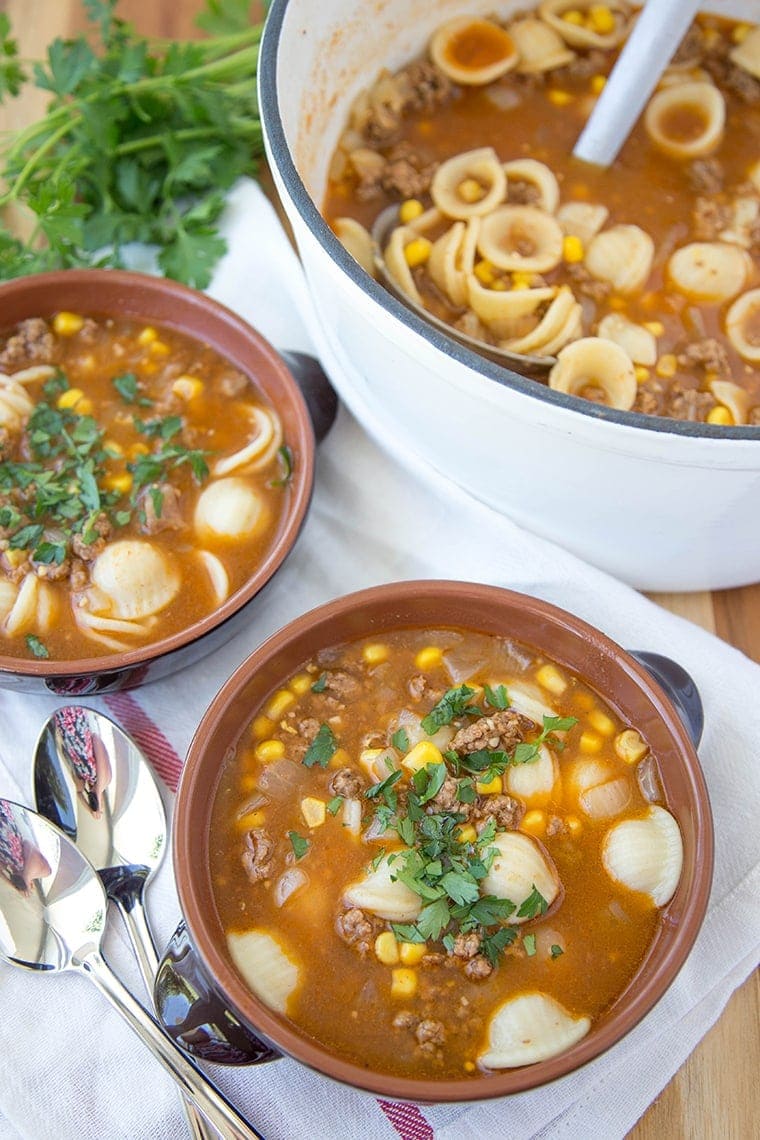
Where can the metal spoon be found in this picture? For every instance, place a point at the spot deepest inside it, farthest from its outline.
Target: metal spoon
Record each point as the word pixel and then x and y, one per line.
pixel 52 918
pixel 92 781
pixel 524 363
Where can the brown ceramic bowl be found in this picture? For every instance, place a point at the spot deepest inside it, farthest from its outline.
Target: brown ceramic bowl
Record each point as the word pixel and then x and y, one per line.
pixel 103 292
pixel 611 671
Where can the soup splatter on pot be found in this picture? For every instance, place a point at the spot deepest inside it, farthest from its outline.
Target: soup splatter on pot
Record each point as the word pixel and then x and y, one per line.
pixel 638 285
pixel 142 479
pixel 441 853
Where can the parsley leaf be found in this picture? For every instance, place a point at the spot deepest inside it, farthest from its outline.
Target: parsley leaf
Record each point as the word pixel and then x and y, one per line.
pixel 529 942
pixel 533 905
pixel 319 684
pixel 36 646
pixel 453 703
pixel 322 748
pixel 498 697
pixel 298 843
pixel 334 805
pixel 556 950
pixel 400 740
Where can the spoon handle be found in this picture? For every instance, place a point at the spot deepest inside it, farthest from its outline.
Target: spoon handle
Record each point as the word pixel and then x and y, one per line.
pixel 136 922
pixel 195 1085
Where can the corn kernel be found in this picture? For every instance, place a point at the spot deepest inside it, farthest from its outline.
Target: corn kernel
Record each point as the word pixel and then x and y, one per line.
pixel 601 19
pixel 138 449
pixel 409 210
pixel 267 750
pixel 499 285
pixel 114 449
pixel 666 365
pixel 521 279
pixel 313 811
pixel 417 251
pixel 67 324
pixel 572 248
pixel 534 822
pixel 467 834
pixel 158 348
pixel 262 726
pixel 121 482
pixel 484 272
pixel 656 328
pixel 14 558
pixel 301 683
pixel 428 658
pixel 279 704
pixel 550 677
pixel 573 16
pixel 630 747
pixel 375 653
pixel 249 783
pixel 412 953
pixel 70 398
pixel 740 33
pixel 590 742
pixel 641 373
pixel 423 753
pixel 470 190
pixel 492 788
pixel 403 982
pixel 559 98
pixel 187 387
pixel 617 303
pixel 584 701
pixel 598 83
pixel 469 1066
pixel 339 758
pixel 249 820
pixel 386 948
pixel 147 336
pixel 574 825
pixel 720 415
pixel 601 722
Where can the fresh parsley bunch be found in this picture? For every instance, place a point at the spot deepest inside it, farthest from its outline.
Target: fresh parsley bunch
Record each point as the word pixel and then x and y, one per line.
pixel 140 141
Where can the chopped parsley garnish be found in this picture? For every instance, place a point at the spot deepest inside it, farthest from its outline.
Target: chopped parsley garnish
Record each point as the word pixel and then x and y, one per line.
pixel 334 805
pixel 285 456
pixel 319 684
pixel 534 905
pixel 35 646
pixel 498 697
pixel 322 748
pixel 298 843
pixel 529 942
pixel 400 740
pixel 556 950
pixel 453 703
pixel 128 387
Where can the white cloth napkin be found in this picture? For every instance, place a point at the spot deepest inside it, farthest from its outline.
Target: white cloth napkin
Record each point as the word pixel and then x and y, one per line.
pixel 72 1071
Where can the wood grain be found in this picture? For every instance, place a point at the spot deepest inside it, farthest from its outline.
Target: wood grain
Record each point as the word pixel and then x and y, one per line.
pixel 715 1095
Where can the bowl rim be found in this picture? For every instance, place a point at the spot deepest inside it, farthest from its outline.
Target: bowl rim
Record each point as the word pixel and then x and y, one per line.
pixel 274 134
pixel 279 1031
pixel 129 283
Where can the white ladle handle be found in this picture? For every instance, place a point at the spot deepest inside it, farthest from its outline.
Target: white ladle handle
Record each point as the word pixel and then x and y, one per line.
pixel 650 47
pixel 136 922
pixel 194 1084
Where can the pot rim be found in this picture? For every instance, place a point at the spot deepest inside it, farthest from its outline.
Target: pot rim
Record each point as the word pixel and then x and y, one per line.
pixel 204 751
pixel 281 157
pixel 125 283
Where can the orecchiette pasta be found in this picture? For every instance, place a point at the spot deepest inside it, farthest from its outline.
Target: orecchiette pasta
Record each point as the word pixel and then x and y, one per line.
pixel 538 175
pixel 595 364
pixel 743 325
pixel 539 46
pixel 587 27
pixel 521 238
pixel 709 271
pixel 622 255
pixel 687 119
pixel 473 52
pixel 469 185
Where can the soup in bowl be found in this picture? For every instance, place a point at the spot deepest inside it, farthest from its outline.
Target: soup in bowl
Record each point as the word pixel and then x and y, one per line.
pixel 440 841
pixel 157 465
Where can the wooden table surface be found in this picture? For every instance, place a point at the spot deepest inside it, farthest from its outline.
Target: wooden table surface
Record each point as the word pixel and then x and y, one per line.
pixel 715 1094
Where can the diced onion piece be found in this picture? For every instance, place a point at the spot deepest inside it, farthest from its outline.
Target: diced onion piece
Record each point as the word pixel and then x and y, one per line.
pixel 265 967
pixel 529 1028
pixel 352 816
pixel 288 883
pixel 646 854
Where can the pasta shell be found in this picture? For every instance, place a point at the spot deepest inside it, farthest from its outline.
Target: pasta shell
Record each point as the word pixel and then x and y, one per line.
pixel 355 238
pixel 539 46
pixel 529 1028
pixel 521 238
pixel 520 865
pixel 396 263
pixel 502 311
pixel 638 342
pixel 16 405
pixel 533 782
pixel 583 34
pixel 452 258
pixel 586 773
pixel 218 576
pixel 24 609
pixel 584 219
pixel 747 53
pixel 470 184
pixel 686 120
pixel 560 323
pixel 381 894
pixel 7 597
pixel 537 174
pixel 264 966
pixel 622 255
pixel 267 438
pixel 473 51
pixel 736 399
pixel 709 270
pixel 229 509
pixel 136 577
pixel 593 362
pixel 604 801
pixel 645 854
pixel 743 325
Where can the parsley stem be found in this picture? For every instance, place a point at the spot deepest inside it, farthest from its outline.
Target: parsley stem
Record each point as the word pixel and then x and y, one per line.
pixel 32 162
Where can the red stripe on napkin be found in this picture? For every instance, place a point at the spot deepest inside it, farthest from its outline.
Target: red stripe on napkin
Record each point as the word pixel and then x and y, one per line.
pixel 148 735
pixel 407 1119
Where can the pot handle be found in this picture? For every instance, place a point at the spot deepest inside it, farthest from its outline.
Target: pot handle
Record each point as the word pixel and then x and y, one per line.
pixel 679 686
pixel 194 1014
pixel 319 394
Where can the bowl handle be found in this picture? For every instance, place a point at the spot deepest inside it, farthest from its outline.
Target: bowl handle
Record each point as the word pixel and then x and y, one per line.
pixel 319 394
pixel 194 1014
pixel 679 686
